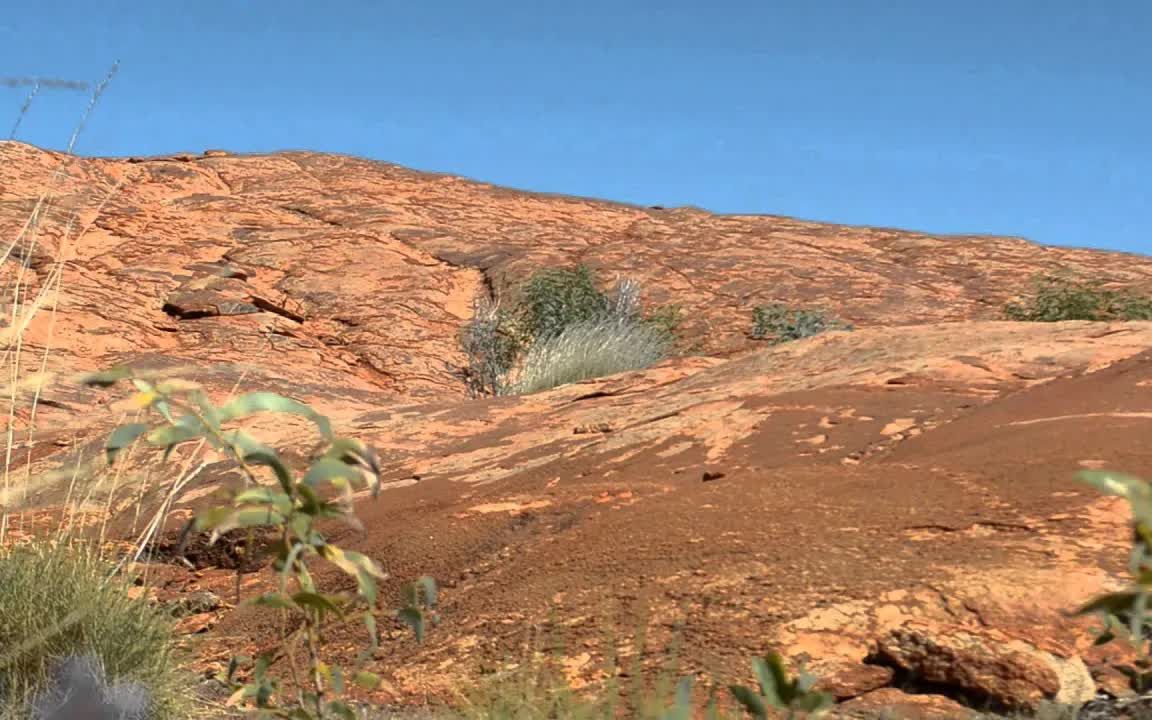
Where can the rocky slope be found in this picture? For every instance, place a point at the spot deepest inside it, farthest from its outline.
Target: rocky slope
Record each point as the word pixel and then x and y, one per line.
pixel 895 504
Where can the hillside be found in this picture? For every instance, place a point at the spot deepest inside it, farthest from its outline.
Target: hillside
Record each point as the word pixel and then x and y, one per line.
pixel 869 500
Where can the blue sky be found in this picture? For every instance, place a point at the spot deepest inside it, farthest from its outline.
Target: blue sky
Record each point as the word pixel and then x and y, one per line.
pixel 1021 117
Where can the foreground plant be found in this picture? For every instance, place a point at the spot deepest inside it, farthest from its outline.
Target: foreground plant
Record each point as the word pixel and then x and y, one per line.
pixel 777 690
pixel 1126 613
pixel 288 505
pixel 69 627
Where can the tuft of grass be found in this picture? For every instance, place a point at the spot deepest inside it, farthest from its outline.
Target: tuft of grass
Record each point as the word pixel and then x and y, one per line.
pixel 779 323
pixel 591 349
pixel 563 329
pixel 61 603
pixel 1055 298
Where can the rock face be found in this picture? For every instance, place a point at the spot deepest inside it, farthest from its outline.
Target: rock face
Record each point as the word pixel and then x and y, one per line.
pixel 891 703
pixel 889 504
pixel 992 666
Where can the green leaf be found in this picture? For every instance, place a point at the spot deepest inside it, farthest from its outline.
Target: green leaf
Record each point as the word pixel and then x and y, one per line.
pixel 255 402
pixel 106 378
pixel 257 517
pixel 212 518
pixel 278 501
pixel 812 702
pixel 353 452
pixel 1111 603
pixel 340 710
pixel 367 680
pixel 122 437
pixel 320 603
pixel 273 600
pixel 267 457
pixel 1137 492
pixel 361 567
pixel 428 585
pixel 373 632
pixel 684 692
pixel 186 428
pixel 234 664
pixel 222 520
pixel 310 503
pixel 245 444
pixel 751 702
pixel 414 619
pixel 301 526
pixel 334 472
pixel 178 386
pixel 773 678
pixel 261 495
pixel 337 676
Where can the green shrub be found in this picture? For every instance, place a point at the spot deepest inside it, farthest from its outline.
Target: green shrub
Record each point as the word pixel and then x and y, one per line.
pixel 591 349
pixel 554 298
pixel 59 603
pixel 563 329
pixel 1056 297
pixel 779 323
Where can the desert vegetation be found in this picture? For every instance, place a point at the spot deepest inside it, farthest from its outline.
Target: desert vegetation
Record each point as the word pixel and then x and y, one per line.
pixel 69 625
pixel 1057 297
pixel 780 323
pixel 562 328
pixel 289 506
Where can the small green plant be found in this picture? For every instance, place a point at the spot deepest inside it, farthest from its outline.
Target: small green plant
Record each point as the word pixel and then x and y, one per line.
pixel 777 690
pixel 1125 614
pixel 65 604
pixel 779 323
pixel 289 505
pixel 1057 297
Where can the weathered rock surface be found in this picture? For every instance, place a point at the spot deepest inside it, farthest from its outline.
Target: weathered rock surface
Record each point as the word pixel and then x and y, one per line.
pixel 891 703
pixel 993 667
pixel 826 497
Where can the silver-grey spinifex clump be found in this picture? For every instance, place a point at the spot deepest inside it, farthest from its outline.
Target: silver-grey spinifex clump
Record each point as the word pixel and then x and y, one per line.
pixel 79 692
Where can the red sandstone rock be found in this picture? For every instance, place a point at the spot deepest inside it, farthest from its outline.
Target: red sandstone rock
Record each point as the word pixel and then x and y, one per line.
pixel 892 703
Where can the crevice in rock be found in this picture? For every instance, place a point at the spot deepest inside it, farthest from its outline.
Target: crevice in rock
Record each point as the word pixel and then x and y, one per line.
pixel 310 215
pixel 180 314
pixel 277 309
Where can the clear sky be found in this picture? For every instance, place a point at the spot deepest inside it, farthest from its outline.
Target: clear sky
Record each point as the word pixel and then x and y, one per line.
pixel 1023 117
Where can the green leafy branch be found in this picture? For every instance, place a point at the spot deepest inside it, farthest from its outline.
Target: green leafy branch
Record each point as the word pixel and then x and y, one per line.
pixel 291 507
